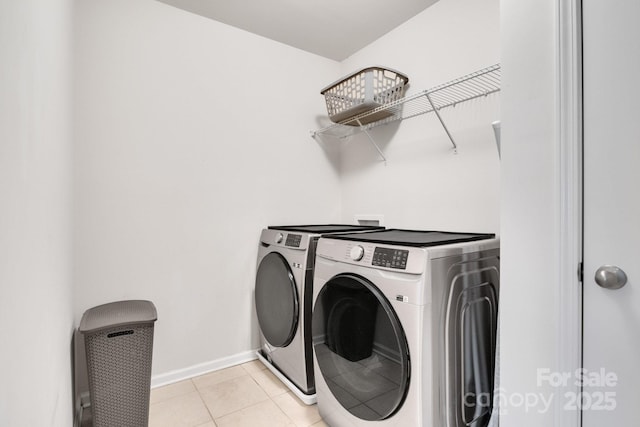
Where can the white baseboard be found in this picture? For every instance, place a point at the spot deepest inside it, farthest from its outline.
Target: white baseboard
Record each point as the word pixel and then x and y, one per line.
pixel 202 368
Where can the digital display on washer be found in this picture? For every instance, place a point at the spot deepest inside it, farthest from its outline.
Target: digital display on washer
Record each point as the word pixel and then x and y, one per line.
pixel 293 240
pixel 390 258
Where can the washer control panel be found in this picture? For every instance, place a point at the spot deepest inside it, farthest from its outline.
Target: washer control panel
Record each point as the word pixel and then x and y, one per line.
pixel 284 239
pixel 390 258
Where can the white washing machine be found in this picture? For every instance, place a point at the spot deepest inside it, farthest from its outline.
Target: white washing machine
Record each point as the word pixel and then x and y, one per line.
pixel 404 328
pixel 283 293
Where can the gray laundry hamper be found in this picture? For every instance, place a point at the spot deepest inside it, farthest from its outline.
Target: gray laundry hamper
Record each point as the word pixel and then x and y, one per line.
pixel 119 344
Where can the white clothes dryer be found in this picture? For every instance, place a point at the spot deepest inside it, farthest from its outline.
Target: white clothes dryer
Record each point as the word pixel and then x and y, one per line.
pixel 404 328
pixel 283 293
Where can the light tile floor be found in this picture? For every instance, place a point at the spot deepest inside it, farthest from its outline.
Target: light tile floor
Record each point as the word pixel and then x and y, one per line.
pixel 246 395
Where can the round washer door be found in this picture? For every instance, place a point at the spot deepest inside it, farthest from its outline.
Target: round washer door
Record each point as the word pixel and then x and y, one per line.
pixel 360 347
pixel 276 297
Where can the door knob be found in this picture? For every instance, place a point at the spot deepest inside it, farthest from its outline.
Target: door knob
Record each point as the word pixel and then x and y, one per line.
pixel 611 277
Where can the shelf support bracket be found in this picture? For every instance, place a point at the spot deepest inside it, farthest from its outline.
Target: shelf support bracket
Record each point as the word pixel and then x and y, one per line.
pixel 373 142
pixel 435 110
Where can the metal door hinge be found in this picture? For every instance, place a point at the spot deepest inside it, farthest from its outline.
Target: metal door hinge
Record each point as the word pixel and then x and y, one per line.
pixel 580 271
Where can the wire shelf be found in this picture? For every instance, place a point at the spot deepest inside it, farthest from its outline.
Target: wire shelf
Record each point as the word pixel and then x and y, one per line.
pixel 475 85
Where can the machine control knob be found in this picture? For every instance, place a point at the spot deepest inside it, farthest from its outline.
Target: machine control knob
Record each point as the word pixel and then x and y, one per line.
pixel 279 238
pixel 356 253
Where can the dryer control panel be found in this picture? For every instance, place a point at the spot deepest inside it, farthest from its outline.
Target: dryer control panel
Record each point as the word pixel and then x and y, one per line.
pixel 400 259
pixel 390 258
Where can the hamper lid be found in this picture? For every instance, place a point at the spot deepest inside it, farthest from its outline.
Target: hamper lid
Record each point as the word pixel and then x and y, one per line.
pixel 118 313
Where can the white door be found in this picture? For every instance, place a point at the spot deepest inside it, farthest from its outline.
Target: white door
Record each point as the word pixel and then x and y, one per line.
pixel 611 49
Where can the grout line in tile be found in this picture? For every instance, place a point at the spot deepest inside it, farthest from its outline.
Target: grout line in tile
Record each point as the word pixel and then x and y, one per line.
pixel 250 374
pixel 256 404
pixel 205 405
pixel 281 392
pixel 238 410
pixel 249 371
pixel 258 384
pixel 286 415
pixel 177 395
pixel 204 388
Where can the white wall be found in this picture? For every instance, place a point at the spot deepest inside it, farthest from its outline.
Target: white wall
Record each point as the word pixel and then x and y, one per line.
pixel 35 213
pixel 191 136
pixel 424 185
